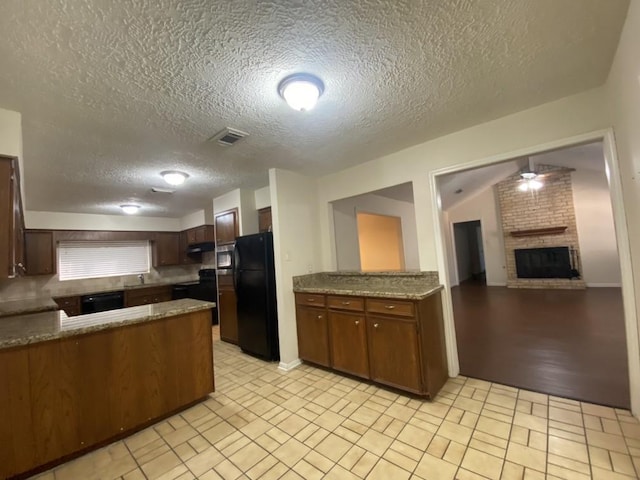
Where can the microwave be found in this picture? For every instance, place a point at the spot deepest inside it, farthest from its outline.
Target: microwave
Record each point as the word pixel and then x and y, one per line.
pixel 224 259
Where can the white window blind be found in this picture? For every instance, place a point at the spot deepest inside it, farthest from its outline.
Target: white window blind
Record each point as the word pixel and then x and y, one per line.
pixel 77 260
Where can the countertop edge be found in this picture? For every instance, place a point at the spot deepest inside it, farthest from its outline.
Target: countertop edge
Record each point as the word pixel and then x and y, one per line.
pixel 369 293
pixel 82 330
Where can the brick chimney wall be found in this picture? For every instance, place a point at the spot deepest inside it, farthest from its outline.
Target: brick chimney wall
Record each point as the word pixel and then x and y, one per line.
pixel 551 206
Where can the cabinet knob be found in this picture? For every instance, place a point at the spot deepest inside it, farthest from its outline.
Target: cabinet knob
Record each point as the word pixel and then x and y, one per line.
pixel 376 325
pixel 311 299
pixel 357 322
pixel 346 303
pixel 389 307
pixel 319 317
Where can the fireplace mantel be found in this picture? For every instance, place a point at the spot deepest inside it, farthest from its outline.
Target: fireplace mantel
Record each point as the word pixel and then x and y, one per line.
pixel 538 232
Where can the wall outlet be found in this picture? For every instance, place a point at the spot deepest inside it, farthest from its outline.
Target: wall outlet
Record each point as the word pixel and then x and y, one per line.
pixel 309 268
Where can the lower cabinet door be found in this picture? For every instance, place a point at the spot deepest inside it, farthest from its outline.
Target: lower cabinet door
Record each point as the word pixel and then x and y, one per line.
pixel 394 355
pixel 313 335
pixel 349 343
pixel 228 315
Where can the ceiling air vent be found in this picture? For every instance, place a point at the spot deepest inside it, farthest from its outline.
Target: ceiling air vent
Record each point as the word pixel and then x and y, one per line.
pixel 162 190
pixel 228 137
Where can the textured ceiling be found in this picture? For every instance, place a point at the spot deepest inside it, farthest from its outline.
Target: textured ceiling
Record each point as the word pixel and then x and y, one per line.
pixel 114 91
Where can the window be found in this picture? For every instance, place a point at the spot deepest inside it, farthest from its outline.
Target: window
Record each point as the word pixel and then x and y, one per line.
pixel 77 260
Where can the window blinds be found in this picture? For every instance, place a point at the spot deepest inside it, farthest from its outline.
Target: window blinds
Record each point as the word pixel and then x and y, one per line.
pixel 77 260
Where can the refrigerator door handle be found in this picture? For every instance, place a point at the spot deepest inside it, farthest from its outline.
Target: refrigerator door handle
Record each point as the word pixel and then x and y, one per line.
pixel 236 262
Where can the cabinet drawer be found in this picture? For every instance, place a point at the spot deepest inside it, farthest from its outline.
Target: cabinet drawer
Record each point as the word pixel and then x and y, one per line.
pixel 401 308
pixel 313 299
pixel 346 303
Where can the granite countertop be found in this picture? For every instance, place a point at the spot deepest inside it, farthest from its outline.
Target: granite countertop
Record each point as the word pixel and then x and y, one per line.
pixel 40 327
pixel 401 285
pixel 31 305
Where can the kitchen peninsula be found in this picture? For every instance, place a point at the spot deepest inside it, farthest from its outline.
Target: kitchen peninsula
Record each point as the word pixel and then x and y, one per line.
pixel 70 384
pixel 386 327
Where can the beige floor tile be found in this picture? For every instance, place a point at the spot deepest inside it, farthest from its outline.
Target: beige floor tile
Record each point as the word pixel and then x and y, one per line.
pixel 565 473
pixel 607 441
pixel 415 437
pixel 352 457
pixel 333 447
pixel 400 412
pixel 339 473
pixel 161 465
pixel 567 448
pixel 218 432
pixel 262 467
pixel 493 427
pixel 534 397
pixel 291 452
pixel 307 471
pixel 227 470
pixel 385 470
pixel 455 452
pixel 565 462
pixel 531 422
pixel 482 463
pixel 566 416
pixel 365 416
pixel 247 456
pixel 512 471
pixel 432 468
pixel 502 400
pixel 622 463
pixel 140 439
pixel 133 475
pixel 365 464
pixel 374 442
pixel 526 456
pixel 319 461
pixel 455 432
pixel 599 411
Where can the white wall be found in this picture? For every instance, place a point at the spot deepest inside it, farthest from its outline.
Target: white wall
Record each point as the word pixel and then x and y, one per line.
pixel 596 230
pixel 87 221
pixel 295 235
pixel 623 101
pixel 11 140
pixel 192 220
pixel 346 228
pixel 262 197
pixel 483 207
pixel 244 201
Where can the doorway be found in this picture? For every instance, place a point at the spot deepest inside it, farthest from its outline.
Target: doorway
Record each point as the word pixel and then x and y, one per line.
pixel 469 252
pixel 552 336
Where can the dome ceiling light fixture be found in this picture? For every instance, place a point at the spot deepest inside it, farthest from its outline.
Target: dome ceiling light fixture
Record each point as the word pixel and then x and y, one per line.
pixel 301 91
pixel 130 208
pixel 174 177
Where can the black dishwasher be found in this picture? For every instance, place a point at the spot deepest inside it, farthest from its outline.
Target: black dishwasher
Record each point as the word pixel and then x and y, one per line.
pixel 100 302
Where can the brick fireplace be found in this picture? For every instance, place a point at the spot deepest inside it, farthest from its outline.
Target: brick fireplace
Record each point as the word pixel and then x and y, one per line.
pixel 541 226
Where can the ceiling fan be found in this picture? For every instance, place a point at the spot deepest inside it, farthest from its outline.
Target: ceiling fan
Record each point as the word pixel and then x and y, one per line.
pixel 530 180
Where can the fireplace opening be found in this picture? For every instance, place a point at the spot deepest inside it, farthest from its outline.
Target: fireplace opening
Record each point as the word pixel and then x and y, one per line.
pixel 551 262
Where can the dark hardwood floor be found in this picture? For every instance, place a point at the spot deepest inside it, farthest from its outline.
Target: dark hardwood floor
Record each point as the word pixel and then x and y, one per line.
pixel 561 342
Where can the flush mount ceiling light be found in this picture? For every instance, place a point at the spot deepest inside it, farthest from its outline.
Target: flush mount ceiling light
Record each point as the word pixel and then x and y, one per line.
pixel 530 184
pixel 130 208
pixel 173 177
pixel 301 91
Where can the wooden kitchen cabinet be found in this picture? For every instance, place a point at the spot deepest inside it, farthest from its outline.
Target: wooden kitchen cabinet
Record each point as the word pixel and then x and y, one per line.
pixel 226 226
pixel 11 220
pixel 39 252
pixel 186 258
pixel 227 309
pixel 201 234
pixel 395 342
pixel 394 356
pixel 147 295
pixel 313 329
pixel 166 250
pixel 348 336
pixel 264 220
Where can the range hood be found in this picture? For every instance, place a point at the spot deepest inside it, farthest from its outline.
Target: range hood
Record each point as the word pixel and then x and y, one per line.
pixel 201 247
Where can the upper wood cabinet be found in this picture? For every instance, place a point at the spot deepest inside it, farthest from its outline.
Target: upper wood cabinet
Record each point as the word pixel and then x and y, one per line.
pixel 185 258
pixel 11 220
pixel 226 226
pixel 39 252
pixel 264 219
pixel 201 234
pixel 166 250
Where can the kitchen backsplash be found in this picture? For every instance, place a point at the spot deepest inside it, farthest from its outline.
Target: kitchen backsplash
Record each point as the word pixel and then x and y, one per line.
pixel 50 286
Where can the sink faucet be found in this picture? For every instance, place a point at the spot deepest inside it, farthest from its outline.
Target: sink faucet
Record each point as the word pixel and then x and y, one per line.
pixel 141 278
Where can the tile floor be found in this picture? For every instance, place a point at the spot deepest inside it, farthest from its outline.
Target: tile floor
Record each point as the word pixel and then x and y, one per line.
pixel 265 424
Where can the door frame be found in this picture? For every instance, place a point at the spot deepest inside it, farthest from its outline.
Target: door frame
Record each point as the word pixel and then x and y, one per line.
pixel 612 168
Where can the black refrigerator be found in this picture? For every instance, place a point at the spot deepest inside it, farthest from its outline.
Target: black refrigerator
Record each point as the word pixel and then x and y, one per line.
pixel 255 284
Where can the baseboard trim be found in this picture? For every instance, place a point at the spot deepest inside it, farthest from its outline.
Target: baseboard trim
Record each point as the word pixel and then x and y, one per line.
pixel 604 285
pixel 285 367
pixel 496 284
